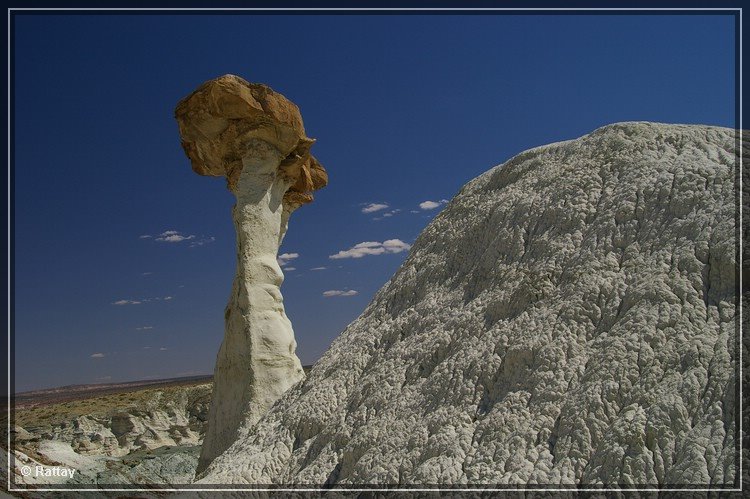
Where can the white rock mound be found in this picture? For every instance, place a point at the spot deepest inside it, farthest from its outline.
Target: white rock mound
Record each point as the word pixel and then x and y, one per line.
pixel 569 318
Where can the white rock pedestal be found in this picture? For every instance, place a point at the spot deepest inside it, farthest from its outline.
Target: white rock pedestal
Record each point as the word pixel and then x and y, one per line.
pixel 255 138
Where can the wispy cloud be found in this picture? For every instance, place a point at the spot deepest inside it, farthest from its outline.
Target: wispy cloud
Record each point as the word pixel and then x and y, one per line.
pixel 175 236
pixel 290 268
pixel 372 248
pixel 163 349
pixel 285 258
pixel 338 292
pixel 126 302
pixel 104 378
pixel 157 298
pixel 146 273
pixel 319 268
pixel 144 328
pixel 431 205
pixel 142 300
pixel 172 236
pixel 202 241
pixel 97 355
pixel 387 214
pixel 373 207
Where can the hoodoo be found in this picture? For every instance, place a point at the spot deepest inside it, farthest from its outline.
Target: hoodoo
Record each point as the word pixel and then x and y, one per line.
pixel 255 138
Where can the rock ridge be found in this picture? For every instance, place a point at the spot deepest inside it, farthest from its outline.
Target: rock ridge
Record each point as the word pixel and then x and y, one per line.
pixel 568 319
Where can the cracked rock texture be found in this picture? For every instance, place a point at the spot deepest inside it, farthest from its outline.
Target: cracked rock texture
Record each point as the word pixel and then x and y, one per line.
pixel 255 138
pixel 569 318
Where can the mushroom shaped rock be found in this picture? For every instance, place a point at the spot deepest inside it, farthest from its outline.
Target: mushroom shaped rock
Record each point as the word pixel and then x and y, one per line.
pixel 255 138
pixel 226 116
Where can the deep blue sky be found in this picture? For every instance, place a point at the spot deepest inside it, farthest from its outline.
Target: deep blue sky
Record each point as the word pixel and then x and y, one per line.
pixel 406 108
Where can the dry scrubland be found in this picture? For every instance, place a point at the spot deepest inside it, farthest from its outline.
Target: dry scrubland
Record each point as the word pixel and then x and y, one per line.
pixel 100 405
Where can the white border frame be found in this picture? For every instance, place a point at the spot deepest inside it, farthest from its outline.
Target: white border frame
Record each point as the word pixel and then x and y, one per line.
pixel 387 9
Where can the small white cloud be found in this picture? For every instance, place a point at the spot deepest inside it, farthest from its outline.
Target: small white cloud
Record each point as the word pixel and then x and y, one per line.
pixel 338 292
pixel 144 328
pixel 104 378
pixel 141 300
pixel 97 355
pixel 285 258
pixel 147 348
pixel 358 252
pixel 373 207
pixel 395 246
pixel 162 349
pixel 146 273
pixel 289 269
pixel 372 248
pixel 431 205
pixel 319 268
pixel 415 211
pixel 174 238
pixel 126 302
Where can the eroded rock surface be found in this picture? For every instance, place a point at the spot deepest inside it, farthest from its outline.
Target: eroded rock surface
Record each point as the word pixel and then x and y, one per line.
pixel 223 116
pixel 145 437
pixel 569 318
pixel 255 137
pixel 147 420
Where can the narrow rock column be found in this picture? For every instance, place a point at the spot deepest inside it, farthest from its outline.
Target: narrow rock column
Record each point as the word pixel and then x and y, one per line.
pixel 256 363
pixel 255 138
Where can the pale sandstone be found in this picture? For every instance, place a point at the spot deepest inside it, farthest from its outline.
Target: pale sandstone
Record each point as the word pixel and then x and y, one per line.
pixel 568 319
pixel 255 138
